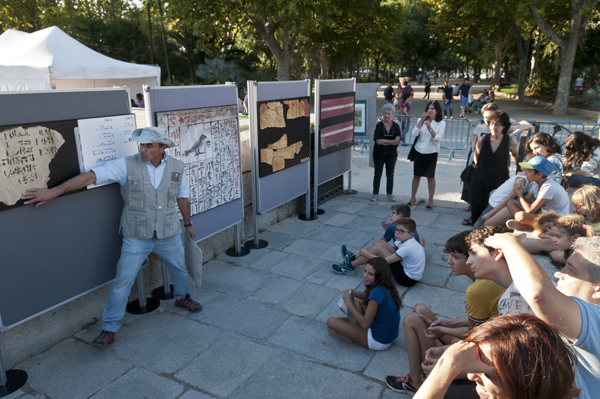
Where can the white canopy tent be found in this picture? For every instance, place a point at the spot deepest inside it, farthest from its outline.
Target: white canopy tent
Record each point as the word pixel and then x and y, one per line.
pixel 50 59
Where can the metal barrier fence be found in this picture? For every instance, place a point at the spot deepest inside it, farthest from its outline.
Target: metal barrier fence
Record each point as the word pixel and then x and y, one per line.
pixel 595 129
pixel 560 130
pixel 456 137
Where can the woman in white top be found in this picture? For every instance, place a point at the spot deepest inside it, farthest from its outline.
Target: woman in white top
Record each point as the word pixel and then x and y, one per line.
pixel 430 130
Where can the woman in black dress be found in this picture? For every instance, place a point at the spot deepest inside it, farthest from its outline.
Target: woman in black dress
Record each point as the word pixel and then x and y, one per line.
pixel 492 160
pixel 385 151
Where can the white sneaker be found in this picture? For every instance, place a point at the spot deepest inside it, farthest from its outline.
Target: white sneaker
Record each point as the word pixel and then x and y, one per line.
pixel 390 198
pixel 374 198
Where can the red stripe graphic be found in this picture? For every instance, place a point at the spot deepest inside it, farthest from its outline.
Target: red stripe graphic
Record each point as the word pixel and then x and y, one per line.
pixel 337 106
pixel 337 134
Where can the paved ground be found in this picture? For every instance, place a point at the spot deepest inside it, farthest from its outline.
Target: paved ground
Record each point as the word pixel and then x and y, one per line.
pixel 262 331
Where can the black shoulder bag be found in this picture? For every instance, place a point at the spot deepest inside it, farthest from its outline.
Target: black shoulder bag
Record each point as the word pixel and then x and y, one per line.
pixel 411 153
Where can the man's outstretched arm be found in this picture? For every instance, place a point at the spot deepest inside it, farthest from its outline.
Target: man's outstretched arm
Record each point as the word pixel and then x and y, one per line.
pixel 536 287
pixel 41 196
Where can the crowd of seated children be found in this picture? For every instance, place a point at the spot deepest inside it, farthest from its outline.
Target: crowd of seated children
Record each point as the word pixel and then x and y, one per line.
pixel 547 196
pixel 422 330
pixel 373 316
pixel 564 231
pixel 351 261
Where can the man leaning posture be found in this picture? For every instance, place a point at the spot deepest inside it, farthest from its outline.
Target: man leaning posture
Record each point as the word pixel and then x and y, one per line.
pixel 572 307
pixel 152 184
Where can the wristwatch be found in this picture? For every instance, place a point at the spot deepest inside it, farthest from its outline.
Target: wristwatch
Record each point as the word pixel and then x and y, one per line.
pixel 188 225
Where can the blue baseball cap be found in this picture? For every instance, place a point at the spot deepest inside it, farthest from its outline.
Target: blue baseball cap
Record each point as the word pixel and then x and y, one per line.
pixel 540 164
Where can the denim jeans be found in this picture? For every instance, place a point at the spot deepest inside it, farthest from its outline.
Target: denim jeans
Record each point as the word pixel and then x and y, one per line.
pixel 578 181
pixel 133 253
pixel 448 105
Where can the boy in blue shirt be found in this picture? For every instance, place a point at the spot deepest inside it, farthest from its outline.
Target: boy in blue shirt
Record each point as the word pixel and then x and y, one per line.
pixel 399 211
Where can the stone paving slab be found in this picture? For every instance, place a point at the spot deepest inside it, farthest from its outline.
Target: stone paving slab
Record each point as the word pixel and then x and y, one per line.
pixel 344 204
pixel 309 300
pixel 424 217
pixel 379 212
pixel 243 260
pixel 164 341
pixel 440 300
pixel 226 365
pixel 459 283
pixel 339 220
pixel 296 227
pixel 336 235
pixel 73 370
pixel 236 281
pixel 139 383
pixel 392 361
pixel 209 308
pixel 435 275
pixel 276 241
pixel 297 266
pixel 451 222
pixel 277 291
pixel 191 394
pixel 248 318
pixel 433 235
pixel 269 260
pixel 304 247
pixel 289 376
pixel 368 224
pixel 310 338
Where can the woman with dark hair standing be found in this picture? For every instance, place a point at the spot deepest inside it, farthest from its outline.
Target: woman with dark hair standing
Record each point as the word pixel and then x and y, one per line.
pixel 385 151
pixel 508 357
pixel 430 130
pixel 582 160
pixel 491 162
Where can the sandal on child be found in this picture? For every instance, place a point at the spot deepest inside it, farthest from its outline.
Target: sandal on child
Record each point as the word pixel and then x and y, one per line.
pixel 467 222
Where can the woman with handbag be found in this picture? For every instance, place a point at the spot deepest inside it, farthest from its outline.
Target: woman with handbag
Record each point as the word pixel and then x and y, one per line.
pixel 429 132
pixel 385 151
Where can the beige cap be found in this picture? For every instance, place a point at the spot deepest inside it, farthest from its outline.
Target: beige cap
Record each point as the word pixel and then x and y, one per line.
pixel 152 134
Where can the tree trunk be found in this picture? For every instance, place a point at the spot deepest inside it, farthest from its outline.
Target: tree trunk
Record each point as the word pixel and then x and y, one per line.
pixel 500 52
pixel 188 52
pixel 149 32
pixel 377 69
pixel 281 53
pixel 162 26
pixel 535 54
pixel 579 20
pixel 523 52
pixel 324 64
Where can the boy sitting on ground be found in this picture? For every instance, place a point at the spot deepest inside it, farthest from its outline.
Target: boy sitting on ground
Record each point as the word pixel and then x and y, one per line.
pixel 406 258
pixel 351 261
pixel 423 331
pixel 550 196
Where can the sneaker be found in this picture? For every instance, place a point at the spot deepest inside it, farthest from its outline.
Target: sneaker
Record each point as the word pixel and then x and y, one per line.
pixel 189 304
pixel 344 268
pixel 374 198
pixel 348 256
pixel 391 198
pixel 104 339
pixel 401 384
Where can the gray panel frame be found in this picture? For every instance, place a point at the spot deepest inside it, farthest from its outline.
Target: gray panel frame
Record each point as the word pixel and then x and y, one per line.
pixel 283 186
pixel 161 99
pixel 57 252
pixel 330 166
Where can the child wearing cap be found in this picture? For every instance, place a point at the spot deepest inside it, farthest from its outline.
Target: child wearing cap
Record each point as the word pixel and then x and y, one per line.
pixel 550 196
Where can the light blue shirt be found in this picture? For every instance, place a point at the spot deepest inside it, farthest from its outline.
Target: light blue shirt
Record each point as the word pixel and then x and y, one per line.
pixel 587 348
pixel 116 172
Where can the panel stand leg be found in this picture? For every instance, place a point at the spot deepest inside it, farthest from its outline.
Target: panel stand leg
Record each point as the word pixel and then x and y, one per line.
pixel 11 380
pixel 142 305
pixel 237 250
pixel 256 243
pixel 350 191
pixel 313 216
pixel 165 292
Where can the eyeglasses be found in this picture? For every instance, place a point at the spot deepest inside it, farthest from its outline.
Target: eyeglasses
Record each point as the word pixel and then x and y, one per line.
pixel 401 231
pixel 394 213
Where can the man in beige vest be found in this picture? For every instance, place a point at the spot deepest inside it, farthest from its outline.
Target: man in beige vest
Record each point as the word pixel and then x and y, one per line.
pixel 152 184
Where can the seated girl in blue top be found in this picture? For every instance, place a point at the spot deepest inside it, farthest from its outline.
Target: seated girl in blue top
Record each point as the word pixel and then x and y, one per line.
pixel 376 310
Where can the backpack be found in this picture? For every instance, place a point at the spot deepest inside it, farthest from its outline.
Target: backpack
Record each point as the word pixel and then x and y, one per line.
pixel 387 94
pixel 406 90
